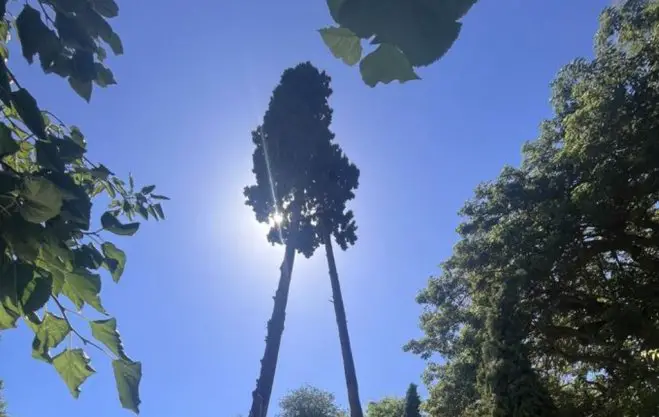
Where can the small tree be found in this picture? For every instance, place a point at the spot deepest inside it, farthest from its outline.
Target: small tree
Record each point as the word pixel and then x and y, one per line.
pixel 412 402
pixel 309 401
pixel 386 407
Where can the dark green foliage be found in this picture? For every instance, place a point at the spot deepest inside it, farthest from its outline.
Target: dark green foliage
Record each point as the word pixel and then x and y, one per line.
pixel 551 294
pixel 50 256
pixel 304 167
pixel 410 34
pixel 412 402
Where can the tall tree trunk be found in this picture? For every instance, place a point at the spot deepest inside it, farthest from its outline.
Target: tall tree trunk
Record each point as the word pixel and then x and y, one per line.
pixel 344 337
pixel 261 395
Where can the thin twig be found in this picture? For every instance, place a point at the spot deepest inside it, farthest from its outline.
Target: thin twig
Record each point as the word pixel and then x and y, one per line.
pixel 85 341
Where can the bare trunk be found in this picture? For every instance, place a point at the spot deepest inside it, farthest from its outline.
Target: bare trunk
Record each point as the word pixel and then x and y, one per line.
pixel 261 395
pixel 344 337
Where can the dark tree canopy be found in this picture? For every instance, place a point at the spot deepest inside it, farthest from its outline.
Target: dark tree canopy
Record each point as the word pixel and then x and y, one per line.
pixel 412 402
pixel 297 163
pixel 557 266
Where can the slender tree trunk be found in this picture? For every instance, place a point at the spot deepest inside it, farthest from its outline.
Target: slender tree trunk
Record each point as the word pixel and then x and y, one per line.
pixel 344 337
pixel 261 395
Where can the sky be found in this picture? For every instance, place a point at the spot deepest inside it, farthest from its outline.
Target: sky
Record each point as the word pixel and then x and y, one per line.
pixel 197 291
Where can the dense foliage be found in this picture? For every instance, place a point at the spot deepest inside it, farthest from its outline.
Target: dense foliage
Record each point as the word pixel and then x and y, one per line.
pixel 51 249
pixel 386 407
pixel 548 305
pixel 309 401
pixel 407 33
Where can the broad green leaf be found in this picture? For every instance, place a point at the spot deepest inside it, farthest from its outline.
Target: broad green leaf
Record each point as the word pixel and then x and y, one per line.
pixel 83 88
pixel 104 76
pixel 117 259
pixel 107 8
pixel 111 224
pixel 115 44
pixel 128 375
pixel 23 236
pixel 343 43
pixel 335 8
pixel 148 189
pixel 8 145
pixel 26 107
pixel 42 200
pixel 385 65
pixel 105 331
pixel 73 367
pixel 49 333
pixel 85 286
pixel 422 30
pixel 30 29
pixel 35 293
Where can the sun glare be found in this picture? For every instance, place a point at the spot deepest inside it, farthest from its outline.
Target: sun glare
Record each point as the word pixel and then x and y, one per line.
pixel 276 219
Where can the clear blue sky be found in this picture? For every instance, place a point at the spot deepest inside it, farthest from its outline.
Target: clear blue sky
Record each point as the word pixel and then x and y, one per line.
pixel 198 288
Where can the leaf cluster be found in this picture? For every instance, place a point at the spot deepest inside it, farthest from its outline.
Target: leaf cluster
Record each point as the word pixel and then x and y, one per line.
pixel 407 34
pixel 51 259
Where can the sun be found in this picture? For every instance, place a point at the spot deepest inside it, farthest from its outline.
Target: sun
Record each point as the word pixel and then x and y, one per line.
pixel 276 219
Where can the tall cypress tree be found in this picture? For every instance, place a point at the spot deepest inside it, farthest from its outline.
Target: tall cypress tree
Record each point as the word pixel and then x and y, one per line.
pixel 295 124
pixel 304 179
pixel 412 402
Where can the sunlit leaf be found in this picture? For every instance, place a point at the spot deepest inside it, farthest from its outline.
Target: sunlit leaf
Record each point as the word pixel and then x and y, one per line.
pixel 128 375
pixel 85 286
pixel 73 367
pixel 343 43
pixel 49 333
pixel 115 260
pixel 105 331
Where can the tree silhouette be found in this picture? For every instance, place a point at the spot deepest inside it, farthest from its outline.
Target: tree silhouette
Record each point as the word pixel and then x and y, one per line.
pixel 304 179
pixel 296 122
pixel 335 179
pixel 412 402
